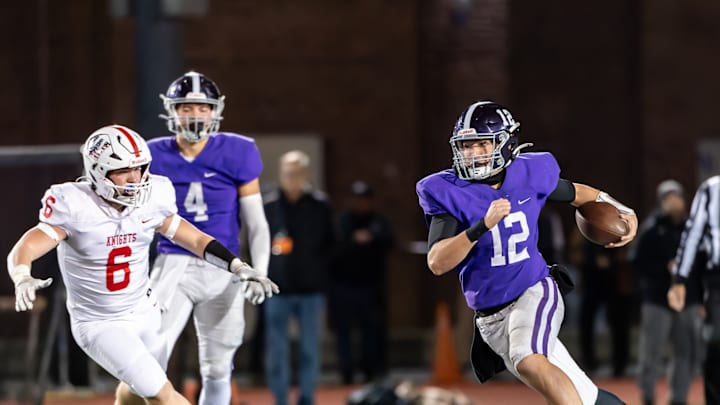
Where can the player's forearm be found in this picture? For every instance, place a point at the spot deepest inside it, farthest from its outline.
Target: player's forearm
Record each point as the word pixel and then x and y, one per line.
pixel 259 240
pixel 584 194
pixel 191 238
pixel 446 254
pixel 31 246
pixel 253 216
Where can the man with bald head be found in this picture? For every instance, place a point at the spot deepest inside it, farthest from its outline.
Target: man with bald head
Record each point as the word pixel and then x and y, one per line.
pixel 301 228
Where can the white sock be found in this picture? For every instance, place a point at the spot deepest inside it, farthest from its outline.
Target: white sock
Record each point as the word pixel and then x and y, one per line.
pixel 215 392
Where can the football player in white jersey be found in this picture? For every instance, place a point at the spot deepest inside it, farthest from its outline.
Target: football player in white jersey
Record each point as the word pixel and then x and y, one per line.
pixel 102 226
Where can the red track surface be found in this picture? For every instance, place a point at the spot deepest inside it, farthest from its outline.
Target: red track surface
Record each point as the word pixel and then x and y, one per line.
pixel 493 393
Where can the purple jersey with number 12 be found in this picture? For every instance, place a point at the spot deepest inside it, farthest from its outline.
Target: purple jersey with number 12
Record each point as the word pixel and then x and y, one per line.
pixel 505 261
pixel 206 188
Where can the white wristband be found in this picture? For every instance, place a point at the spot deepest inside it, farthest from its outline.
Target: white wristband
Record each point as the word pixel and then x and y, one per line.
pixel 19 272
pixel 605 197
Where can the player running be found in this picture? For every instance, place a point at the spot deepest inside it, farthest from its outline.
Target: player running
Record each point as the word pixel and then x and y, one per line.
pixel 102 226
pixel 483 216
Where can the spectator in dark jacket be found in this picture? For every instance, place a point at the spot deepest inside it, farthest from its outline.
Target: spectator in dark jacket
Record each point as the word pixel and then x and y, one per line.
pixel 357 296
pixel 605 284
pixel 301 226
pixel 653 257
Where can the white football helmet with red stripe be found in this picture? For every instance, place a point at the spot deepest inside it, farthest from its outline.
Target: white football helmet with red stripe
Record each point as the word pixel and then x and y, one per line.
pixel 117 147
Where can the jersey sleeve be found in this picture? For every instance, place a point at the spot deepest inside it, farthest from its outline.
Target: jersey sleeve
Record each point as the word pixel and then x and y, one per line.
pixel 56 209
pixel 247 164
pixel 696 227
pixel 545 173
pixel 163 196
pixel 430 205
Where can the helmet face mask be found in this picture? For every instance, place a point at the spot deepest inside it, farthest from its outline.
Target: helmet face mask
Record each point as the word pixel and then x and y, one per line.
pixel 490 124
pixel 483 165
pixel 113 148
pixel 193 88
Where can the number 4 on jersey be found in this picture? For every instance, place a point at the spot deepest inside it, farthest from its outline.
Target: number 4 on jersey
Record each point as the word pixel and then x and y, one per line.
pixel 195 202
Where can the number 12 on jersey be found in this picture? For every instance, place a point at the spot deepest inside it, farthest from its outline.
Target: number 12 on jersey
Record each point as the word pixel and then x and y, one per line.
pixel 513 256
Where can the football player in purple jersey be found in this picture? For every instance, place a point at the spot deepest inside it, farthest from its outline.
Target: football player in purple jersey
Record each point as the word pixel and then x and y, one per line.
pixel 215 175
pixel 483 214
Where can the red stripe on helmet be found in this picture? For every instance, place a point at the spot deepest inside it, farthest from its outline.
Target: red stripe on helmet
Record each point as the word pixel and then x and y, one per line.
pixel 130 139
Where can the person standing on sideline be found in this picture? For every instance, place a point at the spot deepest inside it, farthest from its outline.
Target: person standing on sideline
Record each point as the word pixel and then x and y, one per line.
pixel 357 293
pixel 601 285
pixel 483 216
pixel 701 238
pixel 301 225
pixel 215 175
pixel 653 257
pixel 103 226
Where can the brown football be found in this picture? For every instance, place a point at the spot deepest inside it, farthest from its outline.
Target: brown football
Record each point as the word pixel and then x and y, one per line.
pixel 600 222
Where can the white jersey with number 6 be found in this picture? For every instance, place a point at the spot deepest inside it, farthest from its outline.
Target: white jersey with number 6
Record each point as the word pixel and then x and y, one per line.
pixel 104 259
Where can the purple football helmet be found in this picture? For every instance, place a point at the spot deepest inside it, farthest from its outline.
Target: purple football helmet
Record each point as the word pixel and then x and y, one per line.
pixel 193 88
pixel 485 120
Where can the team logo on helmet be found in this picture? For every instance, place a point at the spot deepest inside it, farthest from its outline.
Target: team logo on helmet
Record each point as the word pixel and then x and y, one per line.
pixel 98 145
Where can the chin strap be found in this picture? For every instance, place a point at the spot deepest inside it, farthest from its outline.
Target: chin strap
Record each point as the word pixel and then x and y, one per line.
pixel 517 150
pixel 494 179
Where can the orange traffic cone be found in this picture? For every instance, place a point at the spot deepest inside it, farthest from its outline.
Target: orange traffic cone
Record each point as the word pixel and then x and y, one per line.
pixel 446 369
pixel 235 395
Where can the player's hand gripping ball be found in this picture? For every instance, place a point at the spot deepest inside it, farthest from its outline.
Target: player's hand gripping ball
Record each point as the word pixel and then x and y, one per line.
pixel 601 223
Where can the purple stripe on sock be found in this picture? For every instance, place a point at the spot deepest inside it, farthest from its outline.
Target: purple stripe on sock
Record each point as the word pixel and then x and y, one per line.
pixel 548 325
pixel 538 315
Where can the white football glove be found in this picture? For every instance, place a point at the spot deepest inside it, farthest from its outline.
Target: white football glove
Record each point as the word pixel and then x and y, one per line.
pixel 254 292
pixel 257 287
pixel 25 291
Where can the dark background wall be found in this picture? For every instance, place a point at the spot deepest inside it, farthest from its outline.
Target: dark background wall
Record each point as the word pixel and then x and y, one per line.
pixel 619 90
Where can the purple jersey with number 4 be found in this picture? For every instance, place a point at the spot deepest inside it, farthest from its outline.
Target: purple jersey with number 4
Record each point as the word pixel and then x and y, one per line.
pixel 206 188
pixel 505 261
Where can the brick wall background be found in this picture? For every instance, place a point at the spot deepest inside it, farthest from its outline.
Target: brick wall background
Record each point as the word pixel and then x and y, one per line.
pixel 620 91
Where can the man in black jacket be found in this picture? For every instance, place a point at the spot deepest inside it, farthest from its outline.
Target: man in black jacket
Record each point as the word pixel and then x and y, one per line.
pixel 653 259
pixel 357 296
pixel 301 226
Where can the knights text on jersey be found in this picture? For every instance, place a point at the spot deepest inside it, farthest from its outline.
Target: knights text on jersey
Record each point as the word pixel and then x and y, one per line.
pixel 104 259
pixel 206 187
pixel 505 261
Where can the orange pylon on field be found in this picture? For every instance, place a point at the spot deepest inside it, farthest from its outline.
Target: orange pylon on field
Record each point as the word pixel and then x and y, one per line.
pixel 446 368
pixel 235 394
